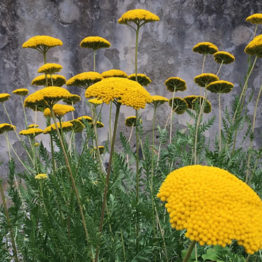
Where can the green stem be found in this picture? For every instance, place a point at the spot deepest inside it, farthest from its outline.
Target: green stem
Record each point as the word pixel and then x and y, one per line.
pixel 153 143
pixel 189 251
pixel 123 246
pixel 220 66
pixel 108 176
pixel 26 123
pixel 255 32
pixel 203 63
pixel 171 120
pixel 247 259
pixel 94 60
pixel 8 222
pixel 219 122
pixel 110 122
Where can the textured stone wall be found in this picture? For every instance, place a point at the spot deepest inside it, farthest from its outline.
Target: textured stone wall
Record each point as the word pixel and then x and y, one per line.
pixel 165 47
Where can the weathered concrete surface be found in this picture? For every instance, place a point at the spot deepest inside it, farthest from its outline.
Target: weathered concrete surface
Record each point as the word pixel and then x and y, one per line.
pixel 165 47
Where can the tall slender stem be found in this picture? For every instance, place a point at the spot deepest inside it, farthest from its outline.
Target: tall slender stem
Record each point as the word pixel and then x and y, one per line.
pixel 171 120
pixel 21 99
pixel 219 121
pixel 8 221
pixel 94 60
pixel 108 176
pixel 220 66
pixel 110 124
pixel 189 251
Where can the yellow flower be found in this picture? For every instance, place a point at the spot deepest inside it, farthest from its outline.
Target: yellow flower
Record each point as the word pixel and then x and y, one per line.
pixel 85 118
pixel 196 103
pixel 66 126
pixel 214 206
pixel 52 80
pixel 205 48
pixel 4 97
pixel 46 97
pixel 20 91
pixel 142 79
pixel 189 100
pixel 72 99
pixel 114 73
pixel 138 16
pixel 32 126
pixel 158 100
pixel 255 46
pixel 95 42
pixel 59 110
pixel 42 43
pixel 120 90
pixel 5 127
pixel 41 176
pixel 101 149
pixel 77 125
pixel 131 121
pixel 33 131
pixel 179 105
pixel 205 79
pixel 220 86
pixel 36 144
pixel 99 124
pixel 175 84
pixel 84 79
pixel 95 101
pixel 223 57
pixel 255 18
pixel 49 68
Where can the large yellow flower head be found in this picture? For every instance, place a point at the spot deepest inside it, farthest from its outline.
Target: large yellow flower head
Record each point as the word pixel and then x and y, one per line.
pixel 158 100
pixel 49 68
pixel 31 131
pixel 120 90
pixel 95 42
pixel 46 97
pixel 220 86
pixel 4 97
pixel 72 99
pixel 142 79
pixel 85 119
pixel 205 48
pixel 174 84
pixel 5 127
pixel 138 16
pixel 65 126
pixel 255 18
pixel 114 73
pixel 95 101
pixel 179 105
pixel 213 206
pixel 41 176
pixel 59 110
pixel 189 100
pixel 49 80
pixel 42 43
pixel 198 101
pixel 255 46
pixel 223 57
pixel 78 126
pixel 84 79
pixel 205 79
pixel 131 121
pixel 20 91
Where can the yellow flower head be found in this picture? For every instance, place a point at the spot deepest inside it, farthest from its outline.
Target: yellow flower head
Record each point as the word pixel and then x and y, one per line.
pixel 213 206
pixel 175 84
pixel 32 126
pixel 158 100
pixel 52 80
pixel 72 99
pixel 95 42
pixel 205 79
pixel 255 47
pixel 42 43
pixel 220 86
pixel 114 73
pixel 36 144
pixel 255 18
pixel 4 97
pixel 99 124
pixel 31 131
pixel 223 57
pixel 78 126
pixel 196 103
pixel 95 101
pixel 41 176
pixel 189 100
pixel 179 105
pixel 205 48
pixel 84 80
pixel 5 127
pixel 131 121
pixel 66 126
pixel 59 110
pixel 142 79
pixel 20 91
pixel 46 97
pixel 101 149
pixel 85 118
pixel 138 16
pixel 120 90
pixel 49 68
